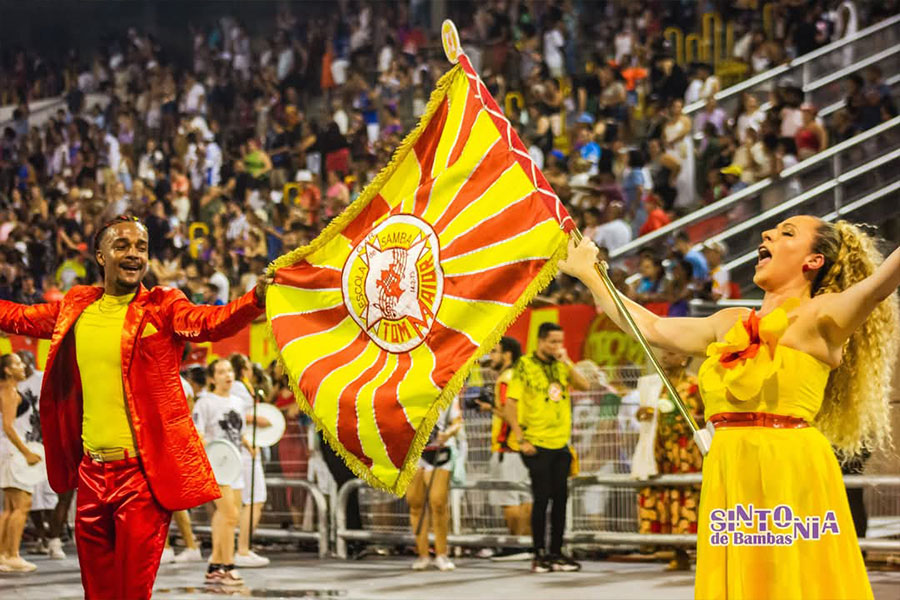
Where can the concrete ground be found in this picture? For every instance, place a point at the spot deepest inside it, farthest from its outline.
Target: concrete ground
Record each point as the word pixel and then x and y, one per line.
pixel 294 575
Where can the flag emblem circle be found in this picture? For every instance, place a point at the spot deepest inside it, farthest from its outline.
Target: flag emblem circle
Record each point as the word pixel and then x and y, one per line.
pixel 392 282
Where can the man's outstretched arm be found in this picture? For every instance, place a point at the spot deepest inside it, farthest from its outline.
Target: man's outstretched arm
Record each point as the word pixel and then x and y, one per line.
pixel 37 320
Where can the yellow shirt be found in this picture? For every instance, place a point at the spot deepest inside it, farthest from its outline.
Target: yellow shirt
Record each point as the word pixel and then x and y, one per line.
pixel 502 439
pixel 544 409
pixel 98 348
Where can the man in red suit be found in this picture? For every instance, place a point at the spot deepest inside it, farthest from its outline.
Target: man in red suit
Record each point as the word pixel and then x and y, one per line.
pixel 115 420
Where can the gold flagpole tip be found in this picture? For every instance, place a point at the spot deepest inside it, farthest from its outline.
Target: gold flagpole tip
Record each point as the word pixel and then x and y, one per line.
pixel 450 39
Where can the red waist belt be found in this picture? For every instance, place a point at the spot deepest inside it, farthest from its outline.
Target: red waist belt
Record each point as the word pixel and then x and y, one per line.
pixel 757 419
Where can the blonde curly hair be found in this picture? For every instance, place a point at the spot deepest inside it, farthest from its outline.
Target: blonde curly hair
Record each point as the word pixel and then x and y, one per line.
pixel 855 412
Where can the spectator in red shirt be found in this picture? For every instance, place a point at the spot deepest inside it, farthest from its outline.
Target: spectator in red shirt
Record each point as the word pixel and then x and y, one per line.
pixel 656 216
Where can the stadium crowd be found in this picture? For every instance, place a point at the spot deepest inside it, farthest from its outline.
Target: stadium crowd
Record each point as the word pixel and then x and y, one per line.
pixel 201 148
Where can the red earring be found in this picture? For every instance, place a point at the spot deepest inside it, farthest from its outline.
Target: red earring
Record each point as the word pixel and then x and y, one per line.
pixel 805 268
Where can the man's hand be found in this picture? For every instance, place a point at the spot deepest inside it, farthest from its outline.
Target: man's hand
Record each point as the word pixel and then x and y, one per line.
pixel 484 406
pixel 563 356
pixel 527 448
pixel 262 284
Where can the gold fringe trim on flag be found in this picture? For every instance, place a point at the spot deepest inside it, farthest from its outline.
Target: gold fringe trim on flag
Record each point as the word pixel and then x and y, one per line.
pixel 547 273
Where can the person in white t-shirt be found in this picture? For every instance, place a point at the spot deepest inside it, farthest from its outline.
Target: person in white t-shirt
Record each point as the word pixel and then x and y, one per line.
pixel 218 415
pixel 719 278
pixel 615 232
pixel 554 43
pixel 243 389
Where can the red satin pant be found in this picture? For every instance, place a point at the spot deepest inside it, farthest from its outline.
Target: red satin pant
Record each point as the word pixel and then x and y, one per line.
pixel 120 530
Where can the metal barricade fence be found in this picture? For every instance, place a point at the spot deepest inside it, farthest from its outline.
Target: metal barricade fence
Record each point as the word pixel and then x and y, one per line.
pixel 295 509
pixel 304 505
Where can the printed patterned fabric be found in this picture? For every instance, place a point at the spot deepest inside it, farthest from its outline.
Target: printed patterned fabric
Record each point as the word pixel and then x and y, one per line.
pixel 379 319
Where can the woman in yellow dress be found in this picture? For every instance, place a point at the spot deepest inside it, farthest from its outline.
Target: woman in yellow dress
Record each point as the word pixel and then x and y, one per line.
pixel 812 369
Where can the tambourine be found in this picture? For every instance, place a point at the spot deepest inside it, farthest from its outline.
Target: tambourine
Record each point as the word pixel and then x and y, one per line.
pixel 269 435
pixel 25 473
pixel 225 459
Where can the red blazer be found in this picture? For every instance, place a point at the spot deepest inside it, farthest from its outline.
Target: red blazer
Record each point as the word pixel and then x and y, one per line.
pixel 173 457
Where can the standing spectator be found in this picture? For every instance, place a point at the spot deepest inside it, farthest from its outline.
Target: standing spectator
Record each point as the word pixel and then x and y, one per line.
pixel 17 429
pixel 677 136
pixel 431 486
pixel 695 257
pixel 673 509
pixel 506 462
pixel 217 415
pixel 615 232
pixel 656 216
pixel 719 278
pixel 539 411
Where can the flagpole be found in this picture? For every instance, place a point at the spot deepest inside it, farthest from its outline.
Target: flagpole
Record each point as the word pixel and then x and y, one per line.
pixel 454 52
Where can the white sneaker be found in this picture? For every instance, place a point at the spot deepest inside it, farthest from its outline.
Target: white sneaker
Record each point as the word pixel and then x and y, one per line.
pixel 168 556
pixel 443 563
pixel 20 565
pixel 55 549
pixel 485 553
pixel 250 560
pixel 421 563
pixel 40 547
pixel 189 555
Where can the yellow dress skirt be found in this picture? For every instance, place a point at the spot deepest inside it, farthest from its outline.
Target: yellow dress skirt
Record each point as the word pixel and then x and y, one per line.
pixel 810 552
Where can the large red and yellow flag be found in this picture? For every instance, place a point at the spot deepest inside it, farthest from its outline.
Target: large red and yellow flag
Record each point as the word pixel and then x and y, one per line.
pixel 379 319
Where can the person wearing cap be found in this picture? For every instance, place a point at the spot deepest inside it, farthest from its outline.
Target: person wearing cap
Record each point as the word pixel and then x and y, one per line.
pixel 719 278
pixel 811 137
pixel 732 174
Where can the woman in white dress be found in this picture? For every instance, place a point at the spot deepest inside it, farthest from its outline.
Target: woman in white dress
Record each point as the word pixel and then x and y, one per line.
pixel 677 138
pixel 218 415
pixel 19 419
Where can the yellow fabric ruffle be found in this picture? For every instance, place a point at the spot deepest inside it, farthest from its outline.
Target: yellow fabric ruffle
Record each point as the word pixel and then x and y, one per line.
pixel 749 353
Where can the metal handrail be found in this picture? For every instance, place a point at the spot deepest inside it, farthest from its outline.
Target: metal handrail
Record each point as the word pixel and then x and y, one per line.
pixel 752 190
pixel 848 208
pixel 780 70
pixel 850 69
pixel 832 108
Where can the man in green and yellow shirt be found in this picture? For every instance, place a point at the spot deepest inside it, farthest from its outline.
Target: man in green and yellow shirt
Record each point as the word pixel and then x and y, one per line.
pixel 539 411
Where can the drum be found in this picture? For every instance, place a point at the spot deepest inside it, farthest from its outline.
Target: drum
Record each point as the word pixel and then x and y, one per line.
pixel 25 473
pixel 225 459
pixel 271 434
